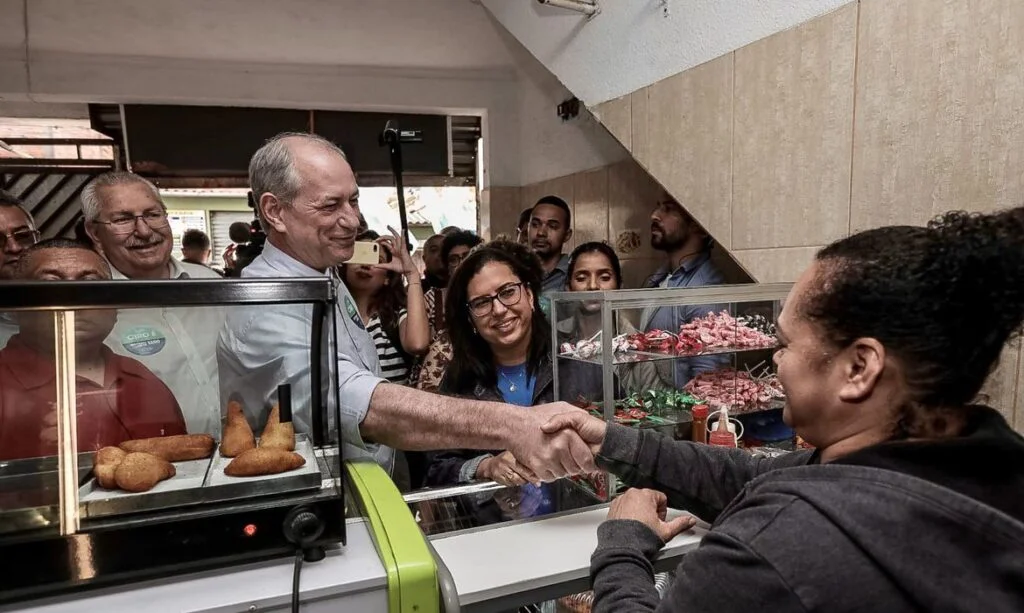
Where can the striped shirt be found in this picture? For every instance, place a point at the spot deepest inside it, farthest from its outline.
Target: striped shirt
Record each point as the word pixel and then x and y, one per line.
pixel 392 365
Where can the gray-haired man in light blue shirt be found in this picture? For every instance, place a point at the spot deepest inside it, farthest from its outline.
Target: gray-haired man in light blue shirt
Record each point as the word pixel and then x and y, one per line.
pixel 308 200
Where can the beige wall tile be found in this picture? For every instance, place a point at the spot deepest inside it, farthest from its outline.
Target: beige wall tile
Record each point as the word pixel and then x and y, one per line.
pixel 564 188
pixel 631 197
pixel 690 142
pixel 616 116
pixel 502 206
pixel 775 265
pixel 731 270
pixel 1001 389
pixel 940 96
pixel 793 135
pixel 590 207
pixel 639 143
pixel 636 271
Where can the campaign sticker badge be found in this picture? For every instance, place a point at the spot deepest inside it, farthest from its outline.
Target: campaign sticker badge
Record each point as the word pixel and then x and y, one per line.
pixel 143 340
pixel 353 312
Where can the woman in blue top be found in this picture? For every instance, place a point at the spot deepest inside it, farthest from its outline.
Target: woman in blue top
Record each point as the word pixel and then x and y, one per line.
pixel 501 351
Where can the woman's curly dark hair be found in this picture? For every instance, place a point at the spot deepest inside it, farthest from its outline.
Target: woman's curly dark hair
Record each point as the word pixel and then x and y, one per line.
pixel 472 360
pixel 943 300
pixel 390 300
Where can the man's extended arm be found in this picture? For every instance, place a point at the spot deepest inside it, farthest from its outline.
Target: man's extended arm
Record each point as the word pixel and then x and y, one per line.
pixel 414 420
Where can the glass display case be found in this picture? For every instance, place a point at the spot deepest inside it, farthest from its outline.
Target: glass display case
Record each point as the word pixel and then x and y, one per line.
pixel 155 427
pixel 657 353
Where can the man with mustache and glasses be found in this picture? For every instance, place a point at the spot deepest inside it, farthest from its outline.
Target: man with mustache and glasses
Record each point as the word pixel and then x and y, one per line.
pixel 127 222
pixel 308 199
pixel 550 229
pixel 688 252
pixel 17 233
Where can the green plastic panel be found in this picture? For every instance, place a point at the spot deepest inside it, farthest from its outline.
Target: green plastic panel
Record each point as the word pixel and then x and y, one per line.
pixel 410 567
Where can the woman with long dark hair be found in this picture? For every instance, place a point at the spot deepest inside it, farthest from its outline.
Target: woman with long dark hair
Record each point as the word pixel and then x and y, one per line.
pixel 395 319
pixel 914 497
pixel 501 351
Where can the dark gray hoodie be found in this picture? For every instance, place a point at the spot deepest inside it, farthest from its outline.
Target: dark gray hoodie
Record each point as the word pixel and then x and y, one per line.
pixel 932 526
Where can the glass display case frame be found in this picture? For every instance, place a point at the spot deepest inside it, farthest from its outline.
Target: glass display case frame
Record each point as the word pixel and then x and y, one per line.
pixel 59 552
pixel 607 353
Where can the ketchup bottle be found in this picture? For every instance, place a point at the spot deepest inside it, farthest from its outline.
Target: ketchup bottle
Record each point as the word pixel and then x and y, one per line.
pixel 699 433
pixel 721 437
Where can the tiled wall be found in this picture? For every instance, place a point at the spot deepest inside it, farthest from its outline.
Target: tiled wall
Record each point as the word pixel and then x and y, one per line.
pixel 882 112
pixel 608 204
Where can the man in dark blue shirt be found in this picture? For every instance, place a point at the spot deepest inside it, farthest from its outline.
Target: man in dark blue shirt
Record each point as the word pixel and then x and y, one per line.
pixel 688 250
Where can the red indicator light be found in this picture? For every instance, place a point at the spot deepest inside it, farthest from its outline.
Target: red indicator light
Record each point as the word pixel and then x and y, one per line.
pixel 249 529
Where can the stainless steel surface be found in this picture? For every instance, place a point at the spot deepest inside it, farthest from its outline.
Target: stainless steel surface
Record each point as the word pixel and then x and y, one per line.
pixel 437 493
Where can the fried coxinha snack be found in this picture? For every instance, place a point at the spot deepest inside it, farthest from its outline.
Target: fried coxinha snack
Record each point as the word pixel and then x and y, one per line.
pixel 177 448
pixel 105 465
pixel 263 461
pixel 277 435
pixel 139 472
pixel 238 435
pixel 132 472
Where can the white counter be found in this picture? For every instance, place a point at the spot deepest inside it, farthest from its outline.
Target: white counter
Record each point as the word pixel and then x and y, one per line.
pixel 500 567
pixel 349 579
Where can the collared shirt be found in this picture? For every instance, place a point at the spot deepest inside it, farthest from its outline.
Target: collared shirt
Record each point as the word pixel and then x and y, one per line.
pixel 263 347
pixel 554 281
pixel 698 272
pixel 8 327
pixel 131 403
pixel 179 345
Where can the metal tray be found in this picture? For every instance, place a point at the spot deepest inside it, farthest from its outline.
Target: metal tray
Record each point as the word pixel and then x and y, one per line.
pixel 306 476
pixel 199 482
pixel 97 500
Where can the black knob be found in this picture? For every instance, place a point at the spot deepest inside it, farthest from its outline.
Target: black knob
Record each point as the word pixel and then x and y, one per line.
pixel 302 526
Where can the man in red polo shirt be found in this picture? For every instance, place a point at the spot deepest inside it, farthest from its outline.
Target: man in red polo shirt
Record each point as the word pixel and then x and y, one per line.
pixel 118 398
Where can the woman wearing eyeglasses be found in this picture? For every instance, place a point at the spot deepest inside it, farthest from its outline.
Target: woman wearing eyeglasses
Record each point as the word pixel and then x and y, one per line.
pixel 501 344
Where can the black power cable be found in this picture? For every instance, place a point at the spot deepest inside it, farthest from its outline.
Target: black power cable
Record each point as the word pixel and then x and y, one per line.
pixel 295 581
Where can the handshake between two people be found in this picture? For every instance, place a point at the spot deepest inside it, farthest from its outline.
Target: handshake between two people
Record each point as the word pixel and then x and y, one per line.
pixel 557 440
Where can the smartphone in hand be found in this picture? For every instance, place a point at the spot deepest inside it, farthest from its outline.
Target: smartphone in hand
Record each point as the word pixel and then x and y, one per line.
pixel 366 252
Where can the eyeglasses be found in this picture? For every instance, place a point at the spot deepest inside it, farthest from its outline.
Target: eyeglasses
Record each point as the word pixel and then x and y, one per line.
pixel 22 238
pixel 125 224
pixel 508 295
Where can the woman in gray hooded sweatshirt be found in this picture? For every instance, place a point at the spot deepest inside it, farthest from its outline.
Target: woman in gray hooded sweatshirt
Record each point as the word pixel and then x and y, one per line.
pixel 914 497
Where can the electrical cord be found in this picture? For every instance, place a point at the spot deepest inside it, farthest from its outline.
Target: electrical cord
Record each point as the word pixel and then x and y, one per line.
pixel 295 581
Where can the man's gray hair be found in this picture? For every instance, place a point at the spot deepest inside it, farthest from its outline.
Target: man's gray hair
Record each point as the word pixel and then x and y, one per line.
pixel 272 169
pixel 91 203
pixel 10 200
